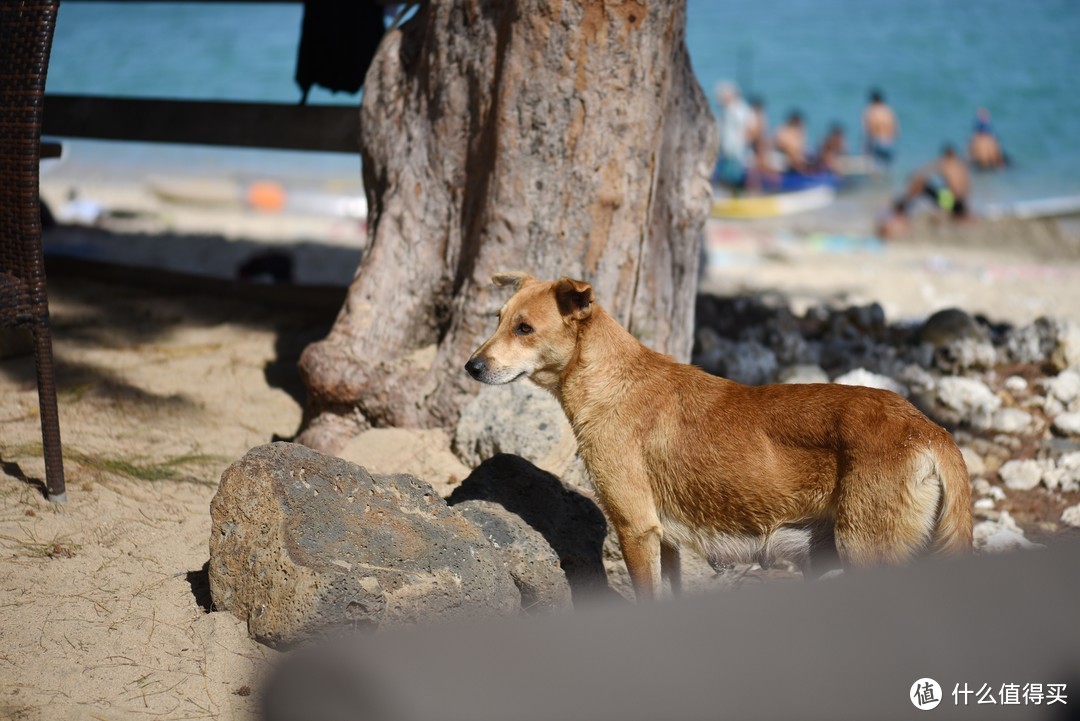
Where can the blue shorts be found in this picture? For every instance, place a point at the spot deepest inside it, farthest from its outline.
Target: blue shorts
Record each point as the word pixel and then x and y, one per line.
pixel 881 152
pixel 729 172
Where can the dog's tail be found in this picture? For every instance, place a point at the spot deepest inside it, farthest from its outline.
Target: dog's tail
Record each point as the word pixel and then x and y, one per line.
pixel 952 531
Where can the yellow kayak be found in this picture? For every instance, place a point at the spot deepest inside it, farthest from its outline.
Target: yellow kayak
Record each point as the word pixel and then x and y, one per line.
pixel 770 206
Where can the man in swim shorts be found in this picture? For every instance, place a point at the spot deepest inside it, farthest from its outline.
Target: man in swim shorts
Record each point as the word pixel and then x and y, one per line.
pixel 946 181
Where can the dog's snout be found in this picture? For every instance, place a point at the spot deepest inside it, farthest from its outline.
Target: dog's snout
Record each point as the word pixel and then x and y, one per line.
pixel 476 366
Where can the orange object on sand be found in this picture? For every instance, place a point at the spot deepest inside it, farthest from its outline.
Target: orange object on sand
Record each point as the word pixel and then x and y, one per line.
pixel 266 196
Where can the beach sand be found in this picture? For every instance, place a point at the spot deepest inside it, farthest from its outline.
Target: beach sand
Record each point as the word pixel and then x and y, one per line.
pixel 164 383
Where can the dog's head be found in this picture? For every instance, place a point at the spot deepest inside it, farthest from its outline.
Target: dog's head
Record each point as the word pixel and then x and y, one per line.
pixel 537 333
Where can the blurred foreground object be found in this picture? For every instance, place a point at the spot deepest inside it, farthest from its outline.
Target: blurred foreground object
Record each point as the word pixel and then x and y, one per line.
pixel 849 648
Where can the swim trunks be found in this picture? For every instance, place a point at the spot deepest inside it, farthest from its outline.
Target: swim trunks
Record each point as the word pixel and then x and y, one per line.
pixel 881 151
pixel 944 198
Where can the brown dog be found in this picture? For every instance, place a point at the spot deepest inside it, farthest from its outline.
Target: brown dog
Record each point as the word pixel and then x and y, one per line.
pixel 740 473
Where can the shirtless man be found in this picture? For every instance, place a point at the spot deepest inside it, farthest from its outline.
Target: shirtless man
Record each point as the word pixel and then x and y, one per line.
pixel 832 148
pixel 880 128
pixel 983 148
pixel 791 142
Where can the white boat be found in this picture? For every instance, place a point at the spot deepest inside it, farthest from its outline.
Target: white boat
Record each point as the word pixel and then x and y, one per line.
pixel 1039 208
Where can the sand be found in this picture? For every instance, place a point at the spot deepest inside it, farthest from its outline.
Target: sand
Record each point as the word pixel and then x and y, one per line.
pixel 106 604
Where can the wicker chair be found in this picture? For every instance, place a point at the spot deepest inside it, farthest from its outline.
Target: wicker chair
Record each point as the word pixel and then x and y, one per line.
pixel 26 30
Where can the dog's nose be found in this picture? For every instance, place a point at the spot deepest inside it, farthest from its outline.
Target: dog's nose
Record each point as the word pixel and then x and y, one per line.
pixel 475 367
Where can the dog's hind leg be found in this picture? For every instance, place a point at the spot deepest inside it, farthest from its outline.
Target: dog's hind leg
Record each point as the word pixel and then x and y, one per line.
pixel 886 512
pixel 669 566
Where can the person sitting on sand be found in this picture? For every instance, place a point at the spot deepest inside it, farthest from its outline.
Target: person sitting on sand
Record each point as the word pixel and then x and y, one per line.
pixel 983 148
pixel 946 181
pixel 790 140
pixel 880 128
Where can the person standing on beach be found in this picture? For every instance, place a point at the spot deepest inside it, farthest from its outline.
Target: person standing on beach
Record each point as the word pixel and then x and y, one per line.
pixel 880 128
pixel 736 122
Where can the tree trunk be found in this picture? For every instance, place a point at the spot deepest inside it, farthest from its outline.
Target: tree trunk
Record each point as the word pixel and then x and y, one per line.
pixel 558 137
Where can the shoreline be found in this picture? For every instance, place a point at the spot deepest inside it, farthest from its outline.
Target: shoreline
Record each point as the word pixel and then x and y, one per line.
pixel 1012 270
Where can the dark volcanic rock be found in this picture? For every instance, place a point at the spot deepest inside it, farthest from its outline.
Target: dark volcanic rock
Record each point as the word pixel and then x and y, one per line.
pixel 571 523
pixel 302 543
pixel 529 558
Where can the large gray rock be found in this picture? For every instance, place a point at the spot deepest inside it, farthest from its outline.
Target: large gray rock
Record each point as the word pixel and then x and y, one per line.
pixel 527 555
pixel 571 523
pixel 950 325
pixel 521 419
pixel 302 543
pixel 960 342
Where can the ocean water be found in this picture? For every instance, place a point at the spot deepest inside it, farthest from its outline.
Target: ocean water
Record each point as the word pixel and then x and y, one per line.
pixel 935 60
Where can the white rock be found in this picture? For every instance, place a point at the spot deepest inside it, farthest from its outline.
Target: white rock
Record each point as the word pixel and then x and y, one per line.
pixel 1071 516
pixel 982 488
pixel 1065 386
pixel 970 397
pixel 804 374
pixel 1067 423
pixel 1069 463
pixel 917 378
pixel 1001 535
pixel 984 504
pixel 863 377
pixel 1068 468
pixel 1051 476
pixel 1016 384
pixel 1011 420
pixel 1067 352
pixel 1021 475
pixel 1051 406
pixel 974 462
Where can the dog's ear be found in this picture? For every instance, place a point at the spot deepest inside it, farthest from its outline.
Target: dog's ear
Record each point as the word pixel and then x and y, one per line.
pixel 510 278
pixel 574 297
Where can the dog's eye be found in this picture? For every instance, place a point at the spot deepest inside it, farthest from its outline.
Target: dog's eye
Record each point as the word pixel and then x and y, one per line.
pixel 523 329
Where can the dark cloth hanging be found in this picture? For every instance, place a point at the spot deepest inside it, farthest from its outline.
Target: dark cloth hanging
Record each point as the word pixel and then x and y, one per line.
pixel 338 39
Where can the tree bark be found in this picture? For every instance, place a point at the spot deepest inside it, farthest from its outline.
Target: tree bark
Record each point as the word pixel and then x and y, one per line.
pixel 558 137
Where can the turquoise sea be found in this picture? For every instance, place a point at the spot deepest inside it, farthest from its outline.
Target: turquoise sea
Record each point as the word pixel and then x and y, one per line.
pixel 935 60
